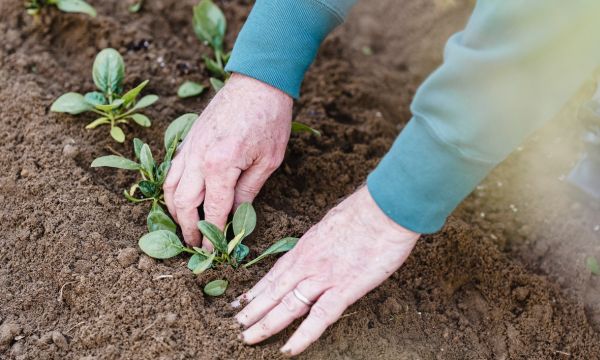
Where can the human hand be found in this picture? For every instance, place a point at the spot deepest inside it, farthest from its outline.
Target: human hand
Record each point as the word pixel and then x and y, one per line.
pixel 351 251
pixel 231 150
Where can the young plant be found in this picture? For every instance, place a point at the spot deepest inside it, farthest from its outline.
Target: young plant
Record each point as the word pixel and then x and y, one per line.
pixel 228 250
pixel 114 107
pixel 34 7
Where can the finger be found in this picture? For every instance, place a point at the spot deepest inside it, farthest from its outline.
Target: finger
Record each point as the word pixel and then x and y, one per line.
pixel 188 196
pixel 283 264
pixel 323 313
pixel 219 197
pixel 171 182
pixel 289 309
pixel 250 183
pixel 275 290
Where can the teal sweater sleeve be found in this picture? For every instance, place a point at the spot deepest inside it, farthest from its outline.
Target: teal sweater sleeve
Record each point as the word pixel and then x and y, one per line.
pixel 512 68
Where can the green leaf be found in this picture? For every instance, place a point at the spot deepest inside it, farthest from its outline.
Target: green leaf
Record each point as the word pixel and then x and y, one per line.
pixel 115 161
pixel 95 98
pixel 189 89
pixel 209 23
pixel 204 264
pixel 108 71
pixel 132 94
pixel 179 128
pixel 136 7
pixel 161 244
pixel 592 265
pixel 282 245
pixel 244 219
pixel 117 134
pixel 141 120
pixel 159 220
pixel 201 251
pixel 161 172
pixel 137 147
pixel 100 121
pixel 216 84
pixel 214 235
pixel 76 6
pixel 145 102
pixel 72 103
pixel 194 261
pixel 240 252
pixel 235 242
pixel 298 127
pixel 148 188
pixel 216 287
pixel 214 66
pixel 147 161
pixel 225 57
pixel 108 107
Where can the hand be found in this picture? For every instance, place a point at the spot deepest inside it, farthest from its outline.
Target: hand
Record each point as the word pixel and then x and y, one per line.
pixel 350 252
pixel 234 146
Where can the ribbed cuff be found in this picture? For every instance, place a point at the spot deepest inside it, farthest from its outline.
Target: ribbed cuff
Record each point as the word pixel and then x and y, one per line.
pixel 422 179
pixel 280 40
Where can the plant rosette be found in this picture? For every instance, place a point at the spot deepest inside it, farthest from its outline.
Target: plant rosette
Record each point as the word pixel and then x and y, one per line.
pixel 114 107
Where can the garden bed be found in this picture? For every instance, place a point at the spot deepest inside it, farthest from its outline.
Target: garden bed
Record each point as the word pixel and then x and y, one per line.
pixel 75 286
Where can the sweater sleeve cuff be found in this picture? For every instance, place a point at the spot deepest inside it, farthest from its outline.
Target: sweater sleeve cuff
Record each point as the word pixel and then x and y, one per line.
pixel 280 40
pixel 422 179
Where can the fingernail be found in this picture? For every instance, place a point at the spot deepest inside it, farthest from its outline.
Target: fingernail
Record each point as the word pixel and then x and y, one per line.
pixel 286 351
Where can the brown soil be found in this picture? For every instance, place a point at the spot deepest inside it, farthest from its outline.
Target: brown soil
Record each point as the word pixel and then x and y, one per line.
pixel 74 285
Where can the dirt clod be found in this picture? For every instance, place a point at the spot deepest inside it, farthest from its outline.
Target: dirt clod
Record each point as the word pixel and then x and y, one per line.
pixel 59 340
pixel 127 256
pixel 8 331
pixel 145 263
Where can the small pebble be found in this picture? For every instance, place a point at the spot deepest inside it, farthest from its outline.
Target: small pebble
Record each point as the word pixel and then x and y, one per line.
pixel 70 151
pixel 170 318
pixel 59 340
pixel 25 173
pixel 521 293
pixel 8 331
pixel 127 257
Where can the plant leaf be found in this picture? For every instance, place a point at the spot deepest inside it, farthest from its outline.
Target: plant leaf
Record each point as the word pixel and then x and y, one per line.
pixel 283 245
pixel 195 261
pixel 298 127
pixel 136 7
pixel 117 134
pixel 214 235
pixel 240 252
pixel 244 219
pixel 201 251
pixel 72 103
pixel 95 98
pixel 76 6
pixel 132 94
pixel 179 128
pixel 115 161
pixel 137 147
pixel 161 244
pixel 148 188
pixel 225 57
pixel 592 265
pixel 108 107
pixel 235 242
pixel 216 287
pixel 189 89
pixel 141 120
pixel 216 84
pixel 147 161
pixel 100 121
pixel 213 66
pixel 204 264
pixel 108 71
pixel 161 172
pixel 209 23
pixel 159 220
pixel 145 102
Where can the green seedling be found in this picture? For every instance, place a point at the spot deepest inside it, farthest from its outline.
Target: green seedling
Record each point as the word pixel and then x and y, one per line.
pixel 34 7
pixel 592 265
pixel 298 127
pixel 228 250
pixel 136 6
pixel 114 107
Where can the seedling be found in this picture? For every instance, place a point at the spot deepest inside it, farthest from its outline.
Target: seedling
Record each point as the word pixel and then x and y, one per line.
pixel 34 7
pixel 136 6
pixel 114 107
pixel 592 265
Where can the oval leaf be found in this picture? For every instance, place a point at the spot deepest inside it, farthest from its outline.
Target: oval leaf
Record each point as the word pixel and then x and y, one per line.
pixel 204 264
pixel 76 6
pixel 240 252
pixel 179 128
pixel 235 242
pixel 189 89
pixel 145 102
pixel 148 188
pixel 108 107
pixel 158 220
pixel 147 161
pixel 141 120
pixel 244 219
pixel 137 147
pixel 117 134
pixel 115 161
pixel 132 94
pixel 214 235
pixel 161 244
pixel 94 124
pixel 282 245
pixel 95 98
pixel 209 23
pixel 108 71
pixel 216 84
pixel 72 103
pixel 216 287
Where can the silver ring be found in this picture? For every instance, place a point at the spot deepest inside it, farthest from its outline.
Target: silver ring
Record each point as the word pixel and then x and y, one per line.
pixel 302 298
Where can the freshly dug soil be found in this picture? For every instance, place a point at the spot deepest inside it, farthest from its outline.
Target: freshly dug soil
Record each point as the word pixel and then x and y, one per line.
pixel 75 286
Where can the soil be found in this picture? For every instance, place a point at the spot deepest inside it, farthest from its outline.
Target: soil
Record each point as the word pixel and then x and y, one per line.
pixel 503 285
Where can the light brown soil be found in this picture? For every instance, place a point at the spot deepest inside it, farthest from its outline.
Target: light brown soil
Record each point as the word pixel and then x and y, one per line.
pixel 74 286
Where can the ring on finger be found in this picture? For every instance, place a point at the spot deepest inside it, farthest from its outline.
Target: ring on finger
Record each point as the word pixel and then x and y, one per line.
pixel 303 299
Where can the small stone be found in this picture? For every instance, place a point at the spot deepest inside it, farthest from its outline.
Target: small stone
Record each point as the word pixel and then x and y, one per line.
pixel 25 173
pixel 103 200
pixel 70 151
pixel 8 331
pixel 59 340
pixel 17 349
pixel 521 293
pixel 127 256
pixel 170 318
pixel 145 263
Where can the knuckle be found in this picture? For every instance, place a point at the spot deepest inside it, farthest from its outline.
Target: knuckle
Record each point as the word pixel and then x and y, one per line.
pixel 251 189
pixel 213 209
pixel 290 303
pixel 181 201
pixel 322 314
